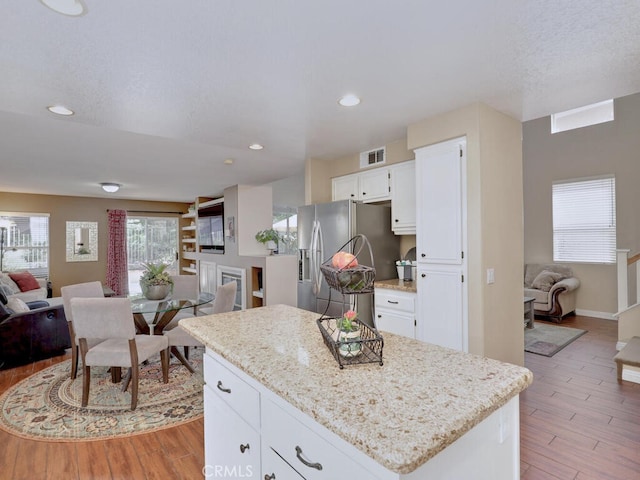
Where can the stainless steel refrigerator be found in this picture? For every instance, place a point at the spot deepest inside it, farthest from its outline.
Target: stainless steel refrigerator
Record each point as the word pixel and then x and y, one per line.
pixel 322 230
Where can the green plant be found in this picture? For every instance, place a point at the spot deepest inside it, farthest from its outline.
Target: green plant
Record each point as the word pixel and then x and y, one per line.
pixel 155 274
pixel 347 323
pixel 268 235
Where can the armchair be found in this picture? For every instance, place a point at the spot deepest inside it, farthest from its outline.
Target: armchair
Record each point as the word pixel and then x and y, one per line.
pixel 553 287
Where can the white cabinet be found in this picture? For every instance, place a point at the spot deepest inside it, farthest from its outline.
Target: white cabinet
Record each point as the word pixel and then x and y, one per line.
pixel 403 198
pixel 395 312
pixel 370 186
pixel 440 244
pixel 208 276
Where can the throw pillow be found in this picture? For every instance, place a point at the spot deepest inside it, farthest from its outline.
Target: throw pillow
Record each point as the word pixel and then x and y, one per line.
pixel 17 305
pixel 5 312
pixel 6 281
pixel 25 281
pixel 545 280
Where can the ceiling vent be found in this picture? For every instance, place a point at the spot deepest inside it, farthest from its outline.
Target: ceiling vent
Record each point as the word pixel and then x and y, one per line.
pixel 377 156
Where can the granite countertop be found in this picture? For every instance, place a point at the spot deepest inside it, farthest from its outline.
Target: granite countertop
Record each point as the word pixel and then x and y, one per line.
pixel 397 284
pixel 420 401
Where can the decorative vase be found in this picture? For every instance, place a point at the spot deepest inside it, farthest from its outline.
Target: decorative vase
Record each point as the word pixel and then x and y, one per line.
pixel 156 292
pixel 349 343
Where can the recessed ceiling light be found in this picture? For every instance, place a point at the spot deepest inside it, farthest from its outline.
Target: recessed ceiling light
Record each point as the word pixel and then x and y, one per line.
pixel 110 187
pixel 256 146
pixel 349 100
pixel 73 8
pixel 228 161
pixel 60 110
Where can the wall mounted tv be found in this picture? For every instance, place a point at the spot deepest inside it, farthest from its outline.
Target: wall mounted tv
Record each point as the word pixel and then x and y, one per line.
pixel 211 229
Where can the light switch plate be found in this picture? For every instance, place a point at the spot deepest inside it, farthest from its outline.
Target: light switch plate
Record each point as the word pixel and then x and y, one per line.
pixel 491 276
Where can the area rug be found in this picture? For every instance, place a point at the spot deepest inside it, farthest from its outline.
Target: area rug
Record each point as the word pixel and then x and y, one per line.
pixel 548 340
pixel 46 406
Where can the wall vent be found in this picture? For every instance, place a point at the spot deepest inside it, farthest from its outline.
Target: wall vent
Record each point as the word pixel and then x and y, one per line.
pixel 377 156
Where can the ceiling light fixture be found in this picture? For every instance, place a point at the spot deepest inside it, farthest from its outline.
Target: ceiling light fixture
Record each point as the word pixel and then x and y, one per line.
pixel 256 146
pixel 72 8
pixel 349 100
pixel 228 161
pixel 60 110
pixel 110 187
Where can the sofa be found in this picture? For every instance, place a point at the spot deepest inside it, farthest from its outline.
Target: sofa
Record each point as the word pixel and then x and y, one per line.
pixel 553 289
pixel 39 332
pixel 28 288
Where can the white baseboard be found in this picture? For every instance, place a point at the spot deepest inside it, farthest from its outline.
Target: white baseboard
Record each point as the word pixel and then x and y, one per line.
pixel 631 375
pixel 593 313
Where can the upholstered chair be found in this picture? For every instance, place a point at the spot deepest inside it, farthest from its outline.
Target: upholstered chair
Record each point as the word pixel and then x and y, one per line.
pixel 179 337
pixel 185 286
pixel 112 320
pixel 85 290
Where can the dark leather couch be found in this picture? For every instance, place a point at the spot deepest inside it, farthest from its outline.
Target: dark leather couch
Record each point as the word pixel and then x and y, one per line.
pixel 33 335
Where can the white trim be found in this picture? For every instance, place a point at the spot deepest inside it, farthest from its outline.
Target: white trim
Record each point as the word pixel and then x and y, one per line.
pixel 593 313
pixel 630 375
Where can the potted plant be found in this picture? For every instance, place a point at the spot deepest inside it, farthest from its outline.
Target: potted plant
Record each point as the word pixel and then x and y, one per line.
pixel 269 238
pixel 156 283
pixel 349 340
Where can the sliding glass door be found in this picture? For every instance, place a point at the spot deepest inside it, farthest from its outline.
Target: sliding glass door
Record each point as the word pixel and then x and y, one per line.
pixel 150 239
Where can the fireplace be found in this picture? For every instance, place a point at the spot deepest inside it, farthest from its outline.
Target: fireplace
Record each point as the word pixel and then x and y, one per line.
pixel 238 275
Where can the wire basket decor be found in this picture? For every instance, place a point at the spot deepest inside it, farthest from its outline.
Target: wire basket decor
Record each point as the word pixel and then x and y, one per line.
pixel 365 346
pixel 345 272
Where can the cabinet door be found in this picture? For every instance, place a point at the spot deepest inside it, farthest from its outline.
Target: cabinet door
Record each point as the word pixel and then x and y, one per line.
pixel 374 185
pixel 345 188
pixel 403 198
pixel 440 315
pixel 232 447
pixel 275 468
pixel 395 323
pixel 439 223
pixel 207 276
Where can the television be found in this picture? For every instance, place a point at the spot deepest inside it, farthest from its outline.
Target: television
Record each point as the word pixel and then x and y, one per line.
pixel 211 230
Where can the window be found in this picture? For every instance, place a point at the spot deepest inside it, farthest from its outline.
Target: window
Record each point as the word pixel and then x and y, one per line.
pixel 584 220
pixel 24 242
pixel 285 222
pixel 582 117
pixel 150 239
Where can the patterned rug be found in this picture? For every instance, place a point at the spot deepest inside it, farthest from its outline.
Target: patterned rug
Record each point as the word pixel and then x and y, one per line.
pixel 548 340
pixel 46 406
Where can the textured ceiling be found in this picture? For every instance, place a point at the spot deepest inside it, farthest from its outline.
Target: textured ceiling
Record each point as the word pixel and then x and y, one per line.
pixel 165 90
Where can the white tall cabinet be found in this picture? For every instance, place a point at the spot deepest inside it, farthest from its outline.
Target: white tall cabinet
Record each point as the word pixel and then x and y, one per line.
pixel 441 243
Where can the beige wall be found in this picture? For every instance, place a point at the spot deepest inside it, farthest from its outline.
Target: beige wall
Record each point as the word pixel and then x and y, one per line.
pixel 82 209
pixel 608 148
pixel 494 223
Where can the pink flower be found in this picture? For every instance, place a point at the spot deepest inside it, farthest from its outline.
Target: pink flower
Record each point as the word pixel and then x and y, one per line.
pixel 350 315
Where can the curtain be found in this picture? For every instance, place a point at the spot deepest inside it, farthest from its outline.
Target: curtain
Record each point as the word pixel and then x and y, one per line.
pixel 117 268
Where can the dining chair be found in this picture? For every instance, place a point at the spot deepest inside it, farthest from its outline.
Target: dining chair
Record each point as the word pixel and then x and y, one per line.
pixel 185 286
pixel 224 301
pixel 112 320
pixel 84 290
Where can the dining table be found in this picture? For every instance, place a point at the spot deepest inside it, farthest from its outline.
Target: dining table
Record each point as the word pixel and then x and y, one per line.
pixel 152 316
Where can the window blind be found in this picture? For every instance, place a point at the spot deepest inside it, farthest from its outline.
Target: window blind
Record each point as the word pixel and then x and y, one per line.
pixel 584 221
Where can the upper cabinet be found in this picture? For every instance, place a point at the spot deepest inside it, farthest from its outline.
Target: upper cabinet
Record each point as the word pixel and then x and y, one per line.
pixel 403 198
pixel 370 186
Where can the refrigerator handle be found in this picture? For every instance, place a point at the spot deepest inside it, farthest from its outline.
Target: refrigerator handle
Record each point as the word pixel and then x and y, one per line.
pixel 319 255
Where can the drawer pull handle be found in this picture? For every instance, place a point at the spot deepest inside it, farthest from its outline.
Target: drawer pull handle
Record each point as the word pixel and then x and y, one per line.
pixel 221 388
pixel 244 447
pixel 317 466
pixel 393 303
pixel 270 477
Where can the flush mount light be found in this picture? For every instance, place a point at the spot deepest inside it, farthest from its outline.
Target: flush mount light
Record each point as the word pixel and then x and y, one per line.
pixel 228 161
pixel 349 100
pixel 60 110
pixel 256 146
pixel 110 187
pixel 72 8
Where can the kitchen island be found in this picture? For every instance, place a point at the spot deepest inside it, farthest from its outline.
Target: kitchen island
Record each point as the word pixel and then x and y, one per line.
pixel 427 411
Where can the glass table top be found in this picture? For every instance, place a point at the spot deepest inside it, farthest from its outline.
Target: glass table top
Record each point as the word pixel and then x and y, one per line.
pixel 140 304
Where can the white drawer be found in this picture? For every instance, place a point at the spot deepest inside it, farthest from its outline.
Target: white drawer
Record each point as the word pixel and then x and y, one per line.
pixel 395 300
pixel 311 455
pixel 241 397
pixel 275 468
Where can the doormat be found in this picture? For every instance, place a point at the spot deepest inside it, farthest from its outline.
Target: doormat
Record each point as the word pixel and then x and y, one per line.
pixel 548 340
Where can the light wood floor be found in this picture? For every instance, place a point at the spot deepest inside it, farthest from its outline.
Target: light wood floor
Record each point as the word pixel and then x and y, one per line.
pixel 576 422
